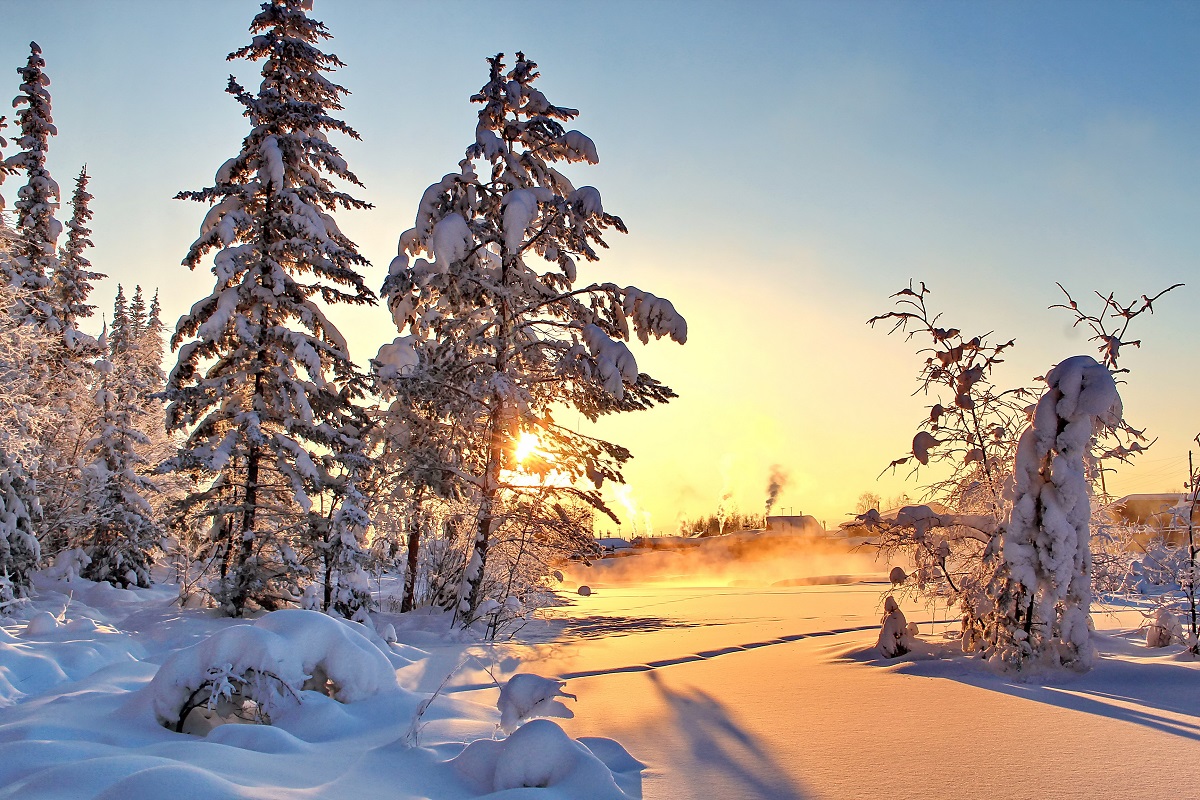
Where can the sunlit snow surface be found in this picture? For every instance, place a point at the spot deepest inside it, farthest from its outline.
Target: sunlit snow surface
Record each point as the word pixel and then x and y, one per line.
pixel 747 680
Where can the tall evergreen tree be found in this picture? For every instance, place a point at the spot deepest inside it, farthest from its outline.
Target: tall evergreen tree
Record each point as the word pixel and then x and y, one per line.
pixel 154 327
pixel 137 313
pixel 136 353
pixel 6 170
pixel 73 276
pixel 122 533
pixel 120 335
pixel 346 589
pixel 6 233
pixel 36 227
pixel 135 346
pixel 264 387
pixel 24 418
pixel 150 349
pixel 43 301
pixel 496 328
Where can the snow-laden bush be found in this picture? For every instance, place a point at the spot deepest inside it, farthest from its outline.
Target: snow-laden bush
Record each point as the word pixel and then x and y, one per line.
pixel 1164 629
pixel 527 696
pixel 895 638
pixel 1042 592
pixel 968 441
pixel 973 432
pixel 538 754
pixel 258 668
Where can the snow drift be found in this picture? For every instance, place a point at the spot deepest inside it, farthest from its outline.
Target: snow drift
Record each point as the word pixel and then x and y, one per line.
pixel 270 663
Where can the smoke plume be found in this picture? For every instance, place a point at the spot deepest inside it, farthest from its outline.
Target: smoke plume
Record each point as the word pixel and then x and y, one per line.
pixel 776 482
pixel 726 490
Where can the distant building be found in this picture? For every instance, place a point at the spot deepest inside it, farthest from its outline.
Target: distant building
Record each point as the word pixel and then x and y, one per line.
pixel 800 524
pixel 612 544
pixel 1155 513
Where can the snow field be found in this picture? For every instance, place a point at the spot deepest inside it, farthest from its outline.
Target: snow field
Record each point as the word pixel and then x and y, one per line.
pixel 713 687
pixel 93 691
pixel 827 716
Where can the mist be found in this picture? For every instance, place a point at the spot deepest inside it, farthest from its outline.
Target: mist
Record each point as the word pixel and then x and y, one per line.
pixel 738 559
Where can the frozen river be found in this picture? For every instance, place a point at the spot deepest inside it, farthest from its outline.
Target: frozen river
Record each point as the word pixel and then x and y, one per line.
pixel 752 692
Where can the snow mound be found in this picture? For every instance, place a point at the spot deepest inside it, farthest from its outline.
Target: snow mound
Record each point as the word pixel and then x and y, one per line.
pixel 1164 629
pixel 270 663
pixel 341 652
pixel 41 623
pixel 47 653
pixel 527 696
pixel 539 754
pixel 167 780
pixel 451 239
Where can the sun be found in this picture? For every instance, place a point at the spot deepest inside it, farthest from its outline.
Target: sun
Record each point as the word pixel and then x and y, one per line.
pixel 533 466
pixel 527 445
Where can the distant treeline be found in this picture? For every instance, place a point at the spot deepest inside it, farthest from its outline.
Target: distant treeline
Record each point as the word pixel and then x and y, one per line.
pixel 710 525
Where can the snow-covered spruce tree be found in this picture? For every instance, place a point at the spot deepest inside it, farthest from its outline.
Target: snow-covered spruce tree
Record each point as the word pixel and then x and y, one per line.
pixel 7 236
pixel 24 418
pixel 424 441
pixel 151 347
pixel 347 588
pixel 6 170
pixel 36 226
pixel 73 275
pixel 137 310
pixel 1042 591
pixel 264 387
pixel 22 370
pixel 119 332
pixel 151 336
pixel 495 324
pixel 122 533
pixel 160 445
pixel 66 507
pixel 53 305
pixel 136 344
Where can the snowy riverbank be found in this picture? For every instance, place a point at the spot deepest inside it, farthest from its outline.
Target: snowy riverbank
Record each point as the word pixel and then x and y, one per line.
pixel 716 686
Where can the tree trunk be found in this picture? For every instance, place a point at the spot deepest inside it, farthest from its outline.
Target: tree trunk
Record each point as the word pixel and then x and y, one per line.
pixel 414 543
pixel 246 549
pixel 249 508
pixel 468 596
pixel 327 595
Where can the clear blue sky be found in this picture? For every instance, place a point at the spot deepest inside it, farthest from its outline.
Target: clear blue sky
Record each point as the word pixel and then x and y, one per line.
pixel 783 168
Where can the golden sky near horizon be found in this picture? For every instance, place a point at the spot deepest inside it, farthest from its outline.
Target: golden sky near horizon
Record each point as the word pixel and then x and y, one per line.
pixel 783 168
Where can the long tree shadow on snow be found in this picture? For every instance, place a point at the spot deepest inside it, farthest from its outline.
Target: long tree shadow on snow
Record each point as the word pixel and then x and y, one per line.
pixel 1108 690
pixel 726 761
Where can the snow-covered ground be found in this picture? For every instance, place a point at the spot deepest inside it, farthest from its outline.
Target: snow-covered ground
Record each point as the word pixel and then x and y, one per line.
pixel 753 678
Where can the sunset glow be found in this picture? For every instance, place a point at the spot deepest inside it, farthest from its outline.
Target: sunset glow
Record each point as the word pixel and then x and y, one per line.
pixel 528 445
pixel 986 148
pixel 618 400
